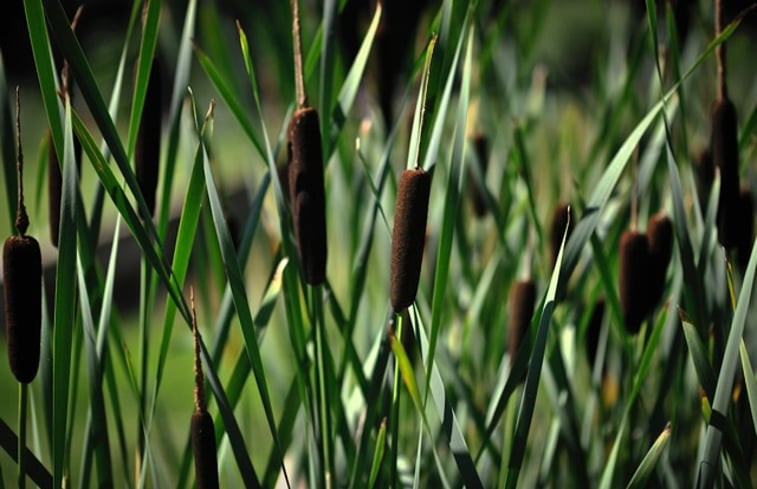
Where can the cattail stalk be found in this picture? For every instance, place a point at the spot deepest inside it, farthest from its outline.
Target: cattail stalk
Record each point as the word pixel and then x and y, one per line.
pixel 305 172
pixel 408 236
pixel 203 431
pixel 22 270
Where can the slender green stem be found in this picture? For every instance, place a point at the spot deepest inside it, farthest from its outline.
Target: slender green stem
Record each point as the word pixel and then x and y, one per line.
pixel 22 403
pixel 324 399
pixel 144 294
pixel 394 418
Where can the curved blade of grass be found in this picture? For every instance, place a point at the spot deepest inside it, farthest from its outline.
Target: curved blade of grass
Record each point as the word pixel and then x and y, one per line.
pixel 378 454
pixel 40 43
pixel 97 440
pixel 349 89
pixel 699 358
pixel 180 84
pixel 65 301
pixel 234 276
pixel 151 22
pixel 35 469
pixel 714 434
pixel 528 401
pixel 114 190
pixel 649 462
pixel 451 203
pixel 327 62
pixel 604 187
pixel 750 381
pixel 71 49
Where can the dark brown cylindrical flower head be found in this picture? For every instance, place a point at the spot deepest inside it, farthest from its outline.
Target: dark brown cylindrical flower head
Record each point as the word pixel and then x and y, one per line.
pixel 55 185
pixel 634 279
pixel 22 285
pixel 147 150
pixel 481 146
pixel 409 236
pixel 594 329
pixel 724 147
pixel 559 222
pixel 660 242
pixel 307 195
pixel 204 448
pixel 521 301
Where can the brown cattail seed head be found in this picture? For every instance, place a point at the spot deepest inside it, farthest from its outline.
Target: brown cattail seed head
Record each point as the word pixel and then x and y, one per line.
pixel 147 150
pixel 593 330
pixel 634 279
pixel 55 185
pixel 521 301
pixel 22 275
pixel 307 196
pixel 724 147
pixel 559 222
pixel 409 236
pixel 481 146
pixel 204 447
pixel 660 242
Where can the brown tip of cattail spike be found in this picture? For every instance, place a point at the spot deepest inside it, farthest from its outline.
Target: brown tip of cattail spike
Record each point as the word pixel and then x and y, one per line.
pixel 408 236
pixel 22 272
pixel 521 301
pixel 634 279
pixel 594 329
pixel 724 147
pixel 147 150
pixel 481 146
pixel 746 237
pixel 562 217
pixel 660 243
pixel 306 188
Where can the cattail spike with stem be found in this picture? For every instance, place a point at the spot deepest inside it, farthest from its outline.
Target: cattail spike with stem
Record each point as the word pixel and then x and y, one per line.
pixel 299 76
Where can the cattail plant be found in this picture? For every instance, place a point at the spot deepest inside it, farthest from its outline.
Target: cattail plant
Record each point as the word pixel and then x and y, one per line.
pixel 521 301
pixel 481 146
pixel 635 263
pixel 724 148
pixel 562 217
pixel 660 243
pixel 22 272
pixel 203 432
pixel 408 236
pixel 147 149
pixel 306 185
